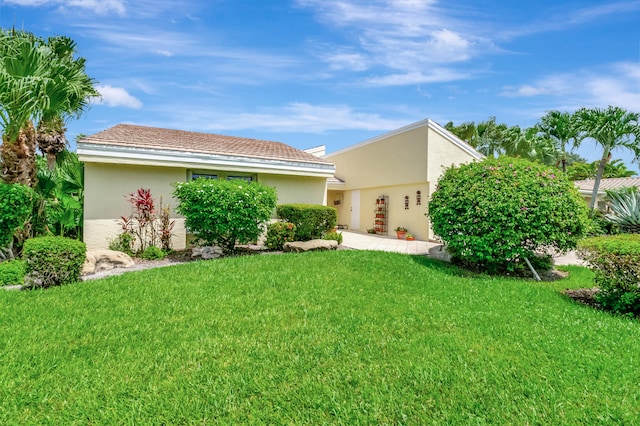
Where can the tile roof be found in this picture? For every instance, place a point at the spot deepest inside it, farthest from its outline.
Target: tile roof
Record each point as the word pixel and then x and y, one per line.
pixel 153 138
pixel 608 183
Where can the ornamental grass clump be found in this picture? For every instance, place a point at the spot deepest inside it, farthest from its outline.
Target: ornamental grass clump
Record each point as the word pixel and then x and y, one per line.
pixel 494 214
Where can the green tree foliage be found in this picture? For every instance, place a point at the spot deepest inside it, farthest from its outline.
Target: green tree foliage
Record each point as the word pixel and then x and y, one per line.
pixel 613 169
pixel 560 130
pixel 225 212
pixel 42 82
pixel 611 128
pixel 16 203
pixel 59 209
pixel 493 214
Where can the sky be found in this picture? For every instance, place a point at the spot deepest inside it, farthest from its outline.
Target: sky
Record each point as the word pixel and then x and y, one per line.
pixel 337 72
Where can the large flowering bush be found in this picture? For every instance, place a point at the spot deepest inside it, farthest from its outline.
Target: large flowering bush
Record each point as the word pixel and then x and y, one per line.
pixel 225 212
pixel 494 213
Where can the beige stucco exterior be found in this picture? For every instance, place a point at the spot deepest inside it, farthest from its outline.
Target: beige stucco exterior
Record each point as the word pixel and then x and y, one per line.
pixel 107 183
pixel 397 165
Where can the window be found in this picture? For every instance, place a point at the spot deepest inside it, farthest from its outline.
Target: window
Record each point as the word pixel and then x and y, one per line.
pixel 220 175
pixel 195 176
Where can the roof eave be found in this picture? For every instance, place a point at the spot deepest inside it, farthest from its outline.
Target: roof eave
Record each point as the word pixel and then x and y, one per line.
pixel 169 158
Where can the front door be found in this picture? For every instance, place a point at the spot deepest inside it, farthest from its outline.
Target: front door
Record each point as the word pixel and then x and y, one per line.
pixel 355 209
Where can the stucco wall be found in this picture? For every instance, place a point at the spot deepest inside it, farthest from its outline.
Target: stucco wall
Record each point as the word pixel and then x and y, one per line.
pixel 396 160
pixel 105 188
pixel 296 189
pixel 442 153
pixel 396 165
pixel 107 184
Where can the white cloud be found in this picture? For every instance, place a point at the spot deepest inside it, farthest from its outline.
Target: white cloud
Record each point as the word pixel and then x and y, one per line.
pixel 412 78
pixel 405 37
pixel 98 6
pixel 291 118
pixel 617 84
pixel 116 97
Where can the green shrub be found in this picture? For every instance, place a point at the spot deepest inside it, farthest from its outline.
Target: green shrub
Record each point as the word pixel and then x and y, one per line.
pixel 123 242
pixel 225 212
pixel 53 261
pixel 312 220
pixel 16 202
pixel 279 233
pixel 336 236
pixel 494 213
pixel 12 272
pixel 615 260
pixel 153 253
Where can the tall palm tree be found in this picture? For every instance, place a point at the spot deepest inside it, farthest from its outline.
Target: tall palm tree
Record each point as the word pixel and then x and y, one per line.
pixel 490 138
pixel 67 98
pixel 41 82
pixel 22 80
pixel 611 128
pixel 560 129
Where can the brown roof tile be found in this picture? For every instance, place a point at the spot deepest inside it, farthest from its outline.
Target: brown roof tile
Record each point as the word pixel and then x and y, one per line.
pixel 608 183
pixel 132 136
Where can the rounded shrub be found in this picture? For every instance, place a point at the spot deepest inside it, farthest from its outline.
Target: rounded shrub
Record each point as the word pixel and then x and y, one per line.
pixel 225 212
pixel 495 213
pixel 53 261
pixel 615 260
pixel 12 272
pixel 279 233
pixel 312 220
pixel 153 253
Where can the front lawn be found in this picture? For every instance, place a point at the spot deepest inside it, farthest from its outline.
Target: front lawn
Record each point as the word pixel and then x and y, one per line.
pixel 344 337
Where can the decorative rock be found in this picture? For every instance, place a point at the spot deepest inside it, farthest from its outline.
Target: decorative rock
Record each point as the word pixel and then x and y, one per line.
pixel 312 245
pixel 101 260
pixel 206 253
pixel 440 253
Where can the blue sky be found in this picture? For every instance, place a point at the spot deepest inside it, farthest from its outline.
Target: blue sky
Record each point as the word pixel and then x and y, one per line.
pixel 336 72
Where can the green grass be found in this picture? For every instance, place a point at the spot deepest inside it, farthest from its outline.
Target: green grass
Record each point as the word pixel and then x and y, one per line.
pixel 343 337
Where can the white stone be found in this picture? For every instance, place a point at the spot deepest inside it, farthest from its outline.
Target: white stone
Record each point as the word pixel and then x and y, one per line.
pixel 102 259
pixel 312 245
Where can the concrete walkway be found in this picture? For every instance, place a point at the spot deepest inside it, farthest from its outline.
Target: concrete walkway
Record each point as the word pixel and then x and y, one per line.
pixel 360 241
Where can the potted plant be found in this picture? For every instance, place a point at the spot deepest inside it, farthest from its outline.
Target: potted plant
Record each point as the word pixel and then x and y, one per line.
pixel 371 231
pixel 409 237
pixel 401 232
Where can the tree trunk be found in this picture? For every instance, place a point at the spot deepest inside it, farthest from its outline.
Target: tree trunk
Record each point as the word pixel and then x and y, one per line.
pixel 596 185
pixel 19 158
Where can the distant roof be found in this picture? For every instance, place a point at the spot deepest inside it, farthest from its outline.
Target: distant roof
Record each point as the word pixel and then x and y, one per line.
pixel 154 138
pixel 608 183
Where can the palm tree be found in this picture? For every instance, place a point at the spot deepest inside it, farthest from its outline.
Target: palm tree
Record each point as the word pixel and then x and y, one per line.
pixel 22 80
pixel 560 129
pixel 39 82
pixel 611 128
pixel 489 138
pixel 65 100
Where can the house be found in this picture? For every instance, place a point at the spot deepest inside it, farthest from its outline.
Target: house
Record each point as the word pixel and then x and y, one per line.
pixel 386 182
pixel 124 158
pixel 585 187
